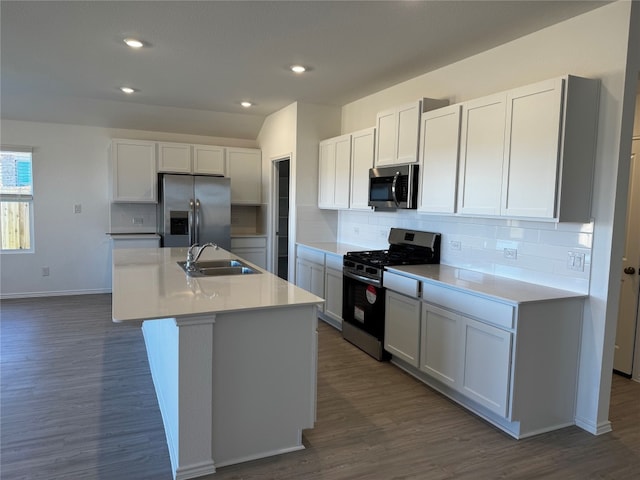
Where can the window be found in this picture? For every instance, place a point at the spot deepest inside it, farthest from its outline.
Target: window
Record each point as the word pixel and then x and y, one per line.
pixel 16 199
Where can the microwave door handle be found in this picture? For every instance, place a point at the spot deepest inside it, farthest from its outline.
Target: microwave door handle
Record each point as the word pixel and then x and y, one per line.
pixel 190 223
pixel 393 188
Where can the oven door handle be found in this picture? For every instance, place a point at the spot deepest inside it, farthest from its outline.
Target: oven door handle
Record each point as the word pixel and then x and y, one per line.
pixel 362 278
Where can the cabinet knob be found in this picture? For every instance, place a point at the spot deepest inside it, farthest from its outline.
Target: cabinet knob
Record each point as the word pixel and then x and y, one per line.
pixel 629 270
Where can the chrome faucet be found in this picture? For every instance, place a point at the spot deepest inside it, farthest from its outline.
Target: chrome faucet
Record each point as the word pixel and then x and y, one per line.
pixel 193 254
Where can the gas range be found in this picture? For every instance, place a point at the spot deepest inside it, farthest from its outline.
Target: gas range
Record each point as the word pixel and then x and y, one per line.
pixel 363 293
pixel 407 247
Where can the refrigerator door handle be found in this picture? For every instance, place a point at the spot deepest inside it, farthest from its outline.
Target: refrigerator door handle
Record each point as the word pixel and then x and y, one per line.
pixel 197 220
pixel 191 230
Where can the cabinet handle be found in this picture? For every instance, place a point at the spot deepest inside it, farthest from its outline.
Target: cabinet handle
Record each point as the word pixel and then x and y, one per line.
pixel 629 270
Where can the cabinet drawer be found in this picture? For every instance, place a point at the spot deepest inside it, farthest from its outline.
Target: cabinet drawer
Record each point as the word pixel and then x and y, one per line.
pixel 334 261
pixel 490 311
pixel 248 242
pixel 309 254
pixel 401 284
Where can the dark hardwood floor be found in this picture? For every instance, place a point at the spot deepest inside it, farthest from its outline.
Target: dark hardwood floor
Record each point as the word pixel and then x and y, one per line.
pixel 77 402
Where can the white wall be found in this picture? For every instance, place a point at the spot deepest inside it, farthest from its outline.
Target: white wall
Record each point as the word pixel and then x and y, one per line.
pixel 315 123
pixel 592 45
pixel 277 139
pixel 295 132
pixel 70 166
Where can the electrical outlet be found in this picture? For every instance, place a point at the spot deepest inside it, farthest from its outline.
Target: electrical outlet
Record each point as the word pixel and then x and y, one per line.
pixel 138 220
pixel 45 271
pixel 77 208
pixel 455 245
pixel 510 253
pixel 575 261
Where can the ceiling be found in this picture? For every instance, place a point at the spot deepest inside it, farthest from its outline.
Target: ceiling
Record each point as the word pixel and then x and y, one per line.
pixel 64 61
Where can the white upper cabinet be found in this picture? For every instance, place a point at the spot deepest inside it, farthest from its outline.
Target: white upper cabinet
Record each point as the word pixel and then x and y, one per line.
pixel 550 149
pixel 174 157
pixel 398 130
pixel 362 150
pixel 208 160
pixel 244 167
pixel 334 168
pixel 481 155
pixel 193 159
pixel 529 152
pixel 133 171
pixel 439 148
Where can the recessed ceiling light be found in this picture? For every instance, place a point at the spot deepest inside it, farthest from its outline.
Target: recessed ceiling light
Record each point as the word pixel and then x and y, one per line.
pixel 128 90
pixel 298 69
pixel 246 104
pixel 133 42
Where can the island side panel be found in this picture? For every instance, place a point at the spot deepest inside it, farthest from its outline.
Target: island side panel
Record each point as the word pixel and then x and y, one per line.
pixel 179 352
pixel 264 382
pixel 161 342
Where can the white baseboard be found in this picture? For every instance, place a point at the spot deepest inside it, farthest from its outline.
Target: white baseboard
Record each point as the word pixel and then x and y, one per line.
pixel 589 426
pixel 59 293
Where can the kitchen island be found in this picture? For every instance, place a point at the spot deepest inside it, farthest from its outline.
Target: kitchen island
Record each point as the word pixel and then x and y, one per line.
pixel 233 358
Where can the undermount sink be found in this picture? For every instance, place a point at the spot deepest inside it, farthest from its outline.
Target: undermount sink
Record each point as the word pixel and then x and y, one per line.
pixel 218 268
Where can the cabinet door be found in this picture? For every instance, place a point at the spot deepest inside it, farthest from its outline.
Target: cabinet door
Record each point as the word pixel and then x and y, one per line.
pixel 362 147
pixel 439 148
pixel 386 137
pixel 133 176
pixel 244 167
pixel 532 149
pixel 174 157
pixel 402 327
pixel 333 294
pixel 441 345
pixel 257 256
pixel 408 133
pixel 310 277
pixel 481 156
pixel 487 365
pixel 208 160
pixel 326 173
pixel 342 172
pixel 334 169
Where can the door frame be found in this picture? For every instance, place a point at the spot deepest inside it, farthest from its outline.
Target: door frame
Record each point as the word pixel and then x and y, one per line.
pixel 273 224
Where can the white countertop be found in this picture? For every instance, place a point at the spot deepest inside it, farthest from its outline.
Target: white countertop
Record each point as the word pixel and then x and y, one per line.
pixel 492 286
pixel 334 247
pixel 149 284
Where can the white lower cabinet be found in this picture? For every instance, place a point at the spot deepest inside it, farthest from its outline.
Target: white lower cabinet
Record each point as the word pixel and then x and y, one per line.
pixel 402 327
pixel 310 271
pixel 513 363
pixel 333 288
pixel 487 361
pixel 440 345
pixel 252 249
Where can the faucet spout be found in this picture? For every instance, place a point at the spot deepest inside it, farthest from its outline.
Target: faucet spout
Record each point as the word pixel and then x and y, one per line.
pixel 194 252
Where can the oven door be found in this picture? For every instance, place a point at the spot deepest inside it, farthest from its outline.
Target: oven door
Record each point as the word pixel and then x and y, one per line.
pixel 363 304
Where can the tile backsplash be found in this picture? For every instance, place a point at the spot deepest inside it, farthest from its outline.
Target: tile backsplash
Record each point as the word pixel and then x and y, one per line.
pixel 132 218
pixel 553 254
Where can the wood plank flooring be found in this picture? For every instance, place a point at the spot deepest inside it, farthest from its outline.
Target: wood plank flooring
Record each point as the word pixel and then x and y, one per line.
pixel 77 402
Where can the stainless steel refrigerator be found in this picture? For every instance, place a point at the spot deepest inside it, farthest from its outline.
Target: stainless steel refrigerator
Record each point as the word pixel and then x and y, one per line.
pixel 194 209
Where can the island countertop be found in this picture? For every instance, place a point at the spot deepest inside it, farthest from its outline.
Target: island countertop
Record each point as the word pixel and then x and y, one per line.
pixel 148 284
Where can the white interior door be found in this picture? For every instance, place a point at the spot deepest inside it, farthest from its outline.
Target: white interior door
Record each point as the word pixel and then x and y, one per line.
pixel 630 288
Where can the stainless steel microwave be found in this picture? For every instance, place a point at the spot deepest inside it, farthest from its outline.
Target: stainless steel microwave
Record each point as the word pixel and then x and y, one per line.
pixel 393 187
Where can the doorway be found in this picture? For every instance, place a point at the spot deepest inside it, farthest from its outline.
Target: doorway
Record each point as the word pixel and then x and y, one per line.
pixel 626 332
pixel 281 217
